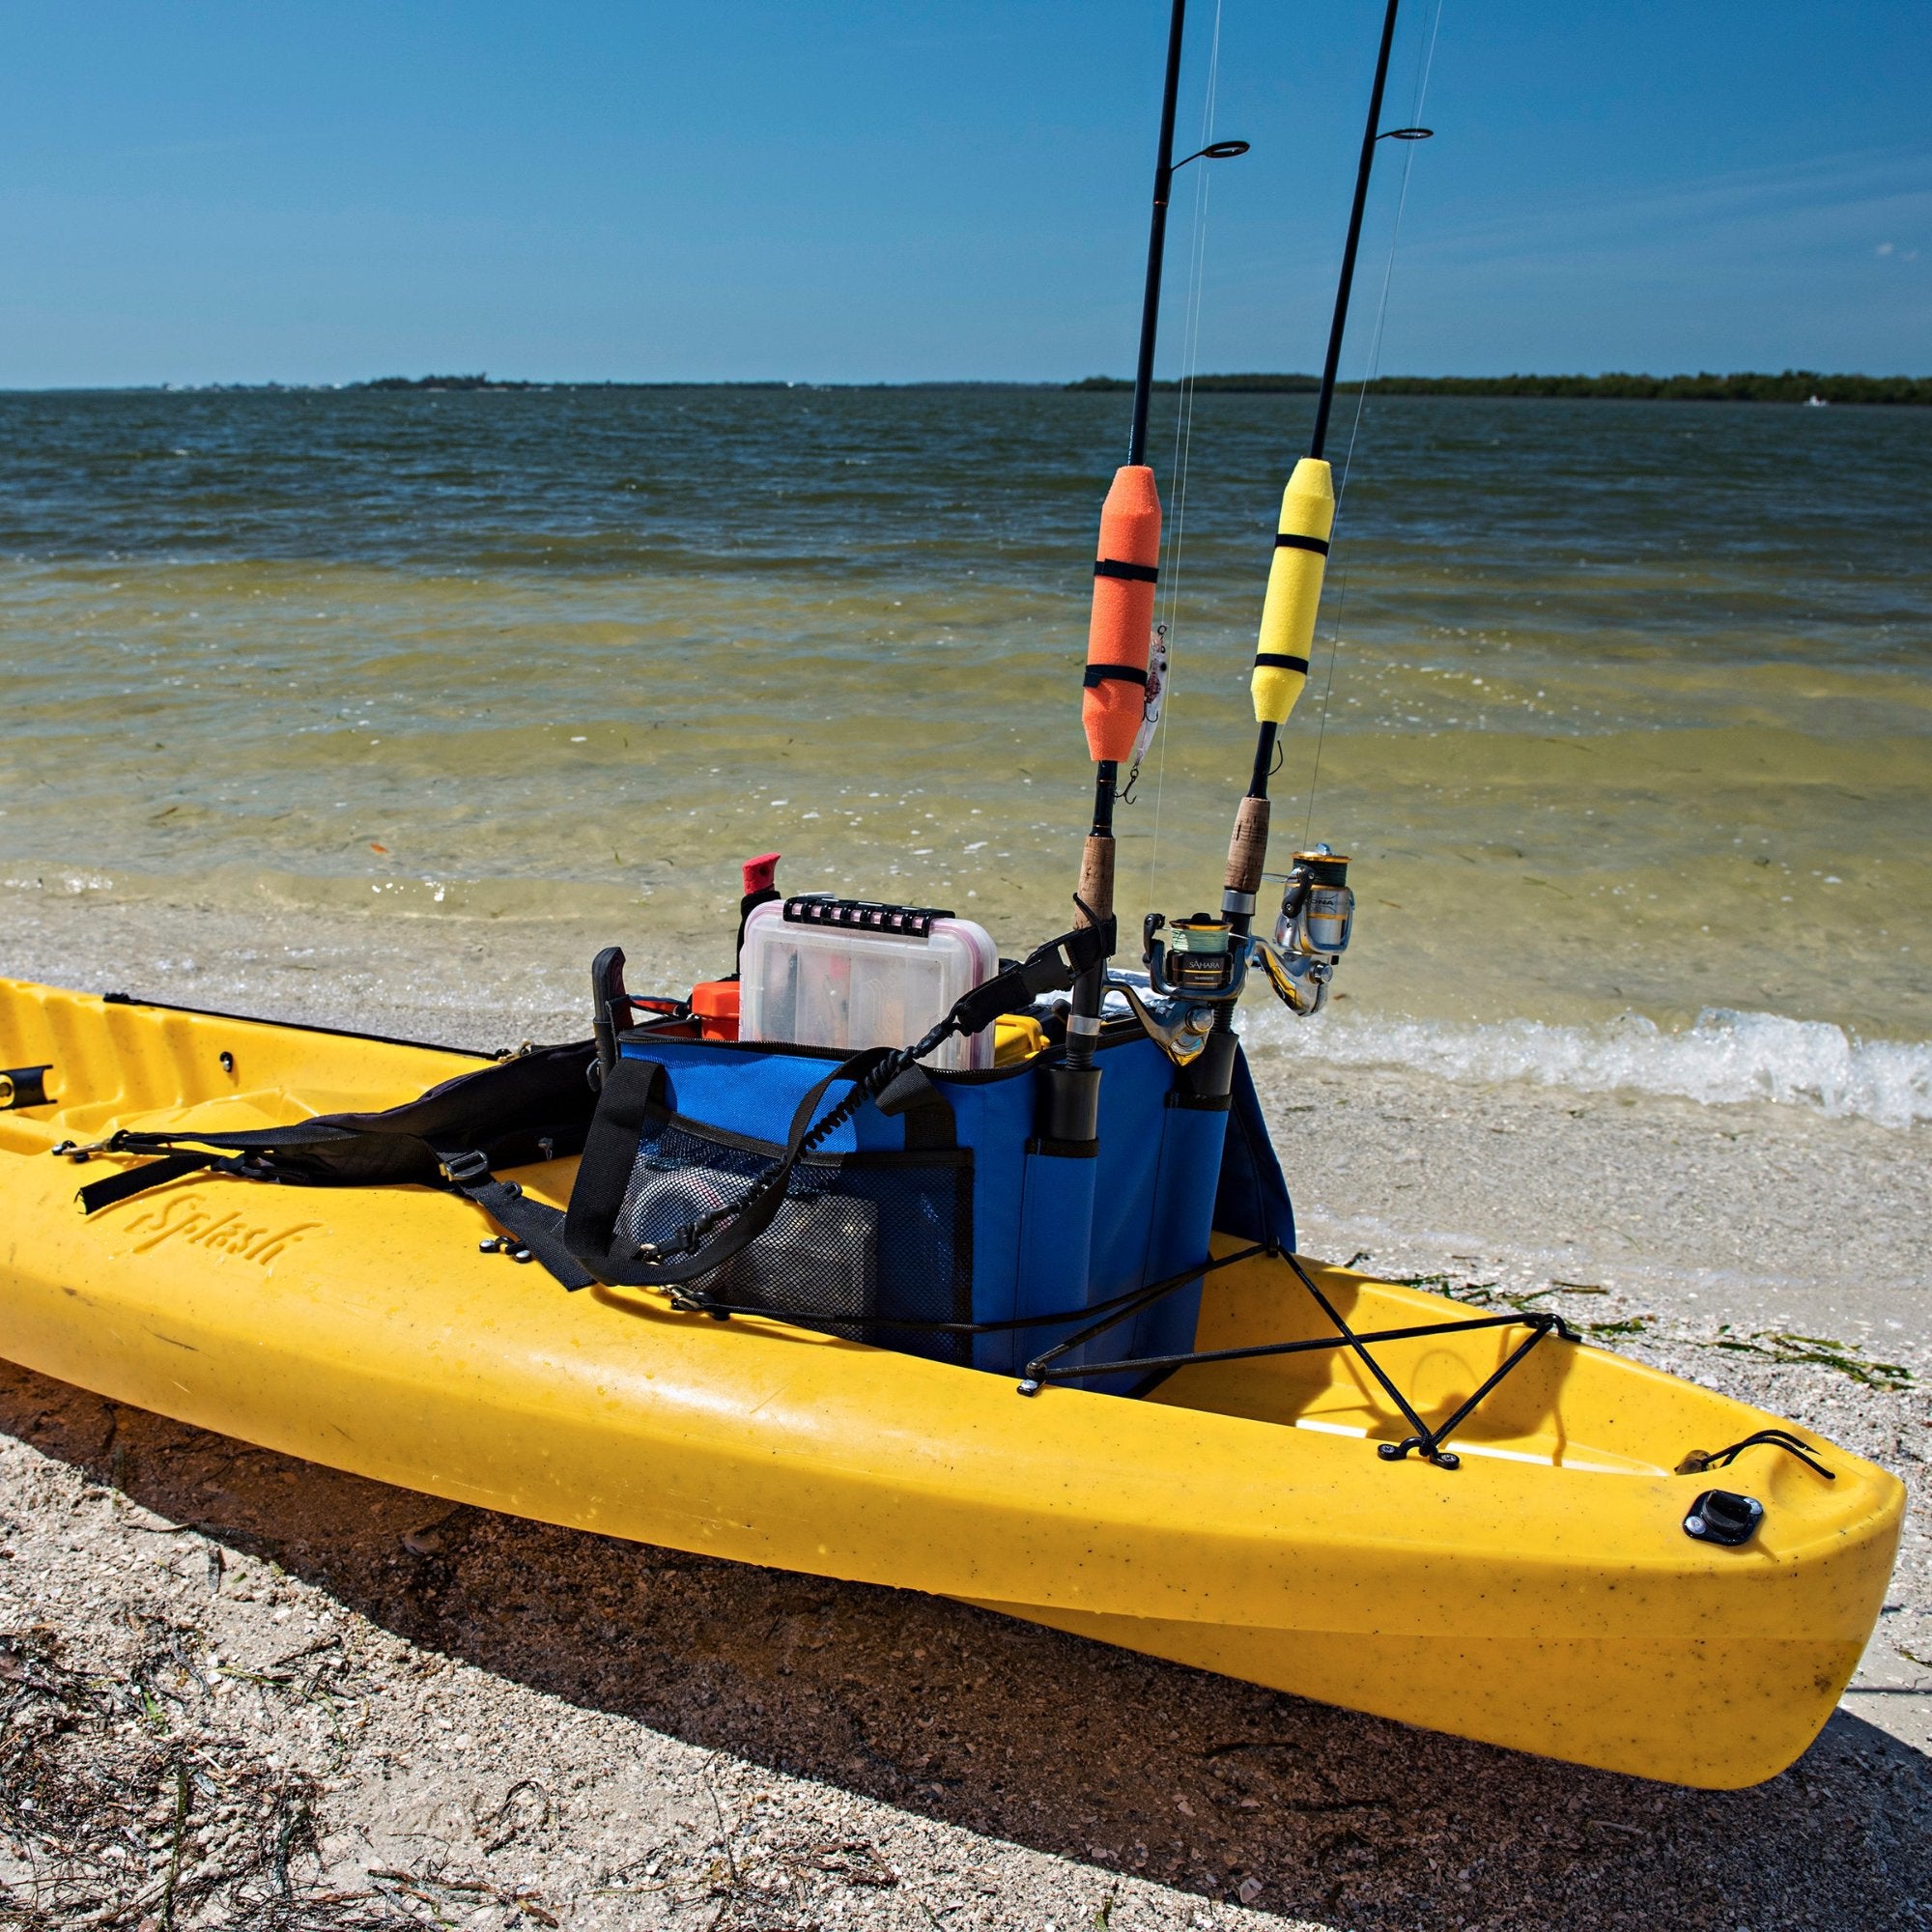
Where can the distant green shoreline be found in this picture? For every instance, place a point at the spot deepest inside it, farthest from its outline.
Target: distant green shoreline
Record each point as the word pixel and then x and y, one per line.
pixel 1793 385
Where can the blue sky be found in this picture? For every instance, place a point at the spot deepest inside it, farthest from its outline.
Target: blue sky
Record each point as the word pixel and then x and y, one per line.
pixel 872 191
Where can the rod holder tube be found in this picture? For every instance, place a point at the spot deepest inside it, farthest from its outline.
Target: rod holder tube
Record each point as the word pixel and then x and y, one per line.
pixel 1070 1108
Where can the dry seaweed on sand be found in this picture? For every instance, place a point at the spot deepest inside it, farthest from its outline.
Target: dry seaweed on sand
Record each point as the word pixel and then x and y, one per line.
pixel 1489 1294
pixel 120 1808
pixel 1789 1350
pixel 1782 1346
pixel 780 1885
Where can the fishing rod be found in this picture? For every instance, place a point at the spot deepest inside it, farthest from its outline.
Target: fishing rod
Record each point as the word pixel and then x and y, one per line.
pixel 1295 587
pixel 1114 689
pixel 1203 961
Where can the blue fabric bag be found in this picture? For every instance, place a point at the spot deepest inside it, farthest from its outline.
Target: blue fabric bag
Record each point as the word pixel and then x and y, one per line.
pixel 935 1206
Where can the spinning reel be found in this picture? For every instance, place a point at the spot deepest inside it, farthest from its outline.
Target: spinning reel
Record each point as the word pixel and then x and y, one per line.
pixel 1197 972
pixel 1311 931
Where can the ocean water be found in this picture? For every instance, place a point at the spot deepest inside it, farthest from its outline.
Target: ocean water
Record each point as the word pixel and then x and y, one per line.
pixel 1621 710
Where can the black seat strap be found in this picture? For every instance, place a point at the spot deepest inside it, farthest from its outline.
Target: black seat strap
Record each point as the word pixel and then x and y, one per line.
pixel 133 1180
pixel 536 1225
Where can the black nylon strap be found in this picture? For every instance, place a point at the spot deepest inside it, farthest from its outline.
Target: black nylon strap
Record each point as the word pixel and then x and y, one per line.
pixel 1288 540
pixel 535 1224
pixel 1280 661
pixel 133 1180
pixel 243 1140
pixel 1134 573
pixel 630 1088
pixel 527 1107
pixel 518 1109
pixel 1098 674
pixel 929 1126
pixel 1051 967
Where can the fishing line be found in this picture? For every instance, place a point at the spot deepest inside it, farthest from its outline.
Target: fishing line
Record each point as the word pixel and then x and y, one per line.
pixel 1183 433
pixel 1426 63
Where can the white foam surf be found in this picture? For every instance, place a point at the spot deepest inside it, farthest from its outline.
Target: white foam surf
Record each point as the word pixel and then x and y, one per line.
pixel 1724 1058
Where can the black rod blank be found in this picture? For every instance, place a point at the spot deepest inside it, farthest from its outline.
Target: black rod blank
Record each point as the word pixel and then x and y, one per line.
pixel 1163 182
pixel 1346 281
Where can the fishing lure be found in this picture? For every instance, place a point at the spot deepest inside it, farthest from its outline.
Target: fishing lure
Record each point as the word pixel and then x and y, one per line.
pixel 1150 704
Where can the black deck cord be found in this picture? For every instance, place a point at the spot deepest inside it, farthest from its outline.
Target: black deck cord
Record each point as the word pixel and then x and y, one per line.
pixel 1152 1292
pixel 1369 1362
pixel 1429 1442
pixel 1701 1460
pixel 1196 1357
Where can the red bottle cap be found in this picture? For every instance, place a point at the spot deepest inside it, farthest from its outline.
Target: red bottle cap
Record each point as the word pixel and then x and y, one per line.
pixel 759 873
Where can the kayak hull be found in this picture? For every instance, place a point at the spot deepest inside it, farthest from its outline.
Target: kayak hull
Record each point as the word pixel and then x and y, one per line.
pixel 1690 1709
pixel 1541 1595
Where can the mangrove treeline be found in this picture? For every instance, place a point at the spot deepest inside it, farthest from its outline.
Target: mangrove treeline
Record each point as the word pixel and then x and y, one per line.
pixel 1793 385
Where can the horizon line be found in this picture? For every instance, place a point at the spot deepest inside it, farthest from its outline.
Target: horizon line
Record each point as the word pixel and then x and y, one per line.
pixel 1789 386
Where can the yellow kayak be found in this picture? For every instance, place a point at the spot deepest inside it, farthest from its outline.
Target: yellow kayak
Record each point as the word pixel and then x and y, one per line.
pixel 1544 1595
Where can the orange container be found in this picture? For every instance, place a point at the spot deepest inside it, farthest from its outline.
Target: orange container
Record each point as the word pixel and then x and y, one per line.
pixel 715 1002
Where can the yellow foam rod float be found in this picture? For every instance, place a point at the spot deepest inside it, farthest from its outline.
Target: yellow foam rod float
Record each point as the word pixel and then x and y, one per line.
pixel 1293 591
pixel 1544 1595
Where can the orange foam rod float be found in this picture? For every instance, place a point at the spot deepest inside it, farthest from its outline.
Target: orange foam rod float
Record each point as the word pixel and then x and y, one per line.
pixel 1118 636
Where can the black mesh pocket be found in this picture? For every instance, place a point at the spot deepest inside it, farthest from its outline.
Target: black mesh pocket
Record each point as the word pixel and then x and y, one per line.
pixel 858 1242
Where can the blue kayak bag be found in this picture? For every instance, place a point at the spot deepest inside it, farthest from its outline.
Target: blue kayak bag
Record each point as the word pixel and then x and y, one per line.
pixel 938 1203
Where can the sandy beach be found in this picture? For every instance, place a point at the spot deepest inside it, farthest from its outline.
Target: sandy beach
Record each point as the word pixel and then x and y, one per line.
pixel 334 1704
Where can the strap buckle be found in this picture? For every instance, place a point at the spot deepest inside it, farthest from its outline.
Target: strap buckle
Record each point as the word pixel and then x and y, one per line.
pixel 462 1170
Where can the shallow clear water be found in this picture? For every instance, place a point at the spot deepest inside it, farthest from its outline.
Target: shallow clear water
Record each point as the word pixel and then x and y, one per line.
pixel 1630 712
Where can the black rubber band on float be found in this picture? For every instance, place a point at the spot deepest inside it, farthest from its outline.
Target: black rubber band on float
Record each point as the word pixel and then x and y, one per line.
pixel 1134 573
pixel 1288 540
pixel 1098 674
pixel 1274 661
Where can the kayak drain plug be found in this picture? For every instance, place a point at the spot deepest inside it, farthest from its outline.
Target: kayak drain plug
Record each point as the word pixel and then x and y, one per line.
pixel 1723 1515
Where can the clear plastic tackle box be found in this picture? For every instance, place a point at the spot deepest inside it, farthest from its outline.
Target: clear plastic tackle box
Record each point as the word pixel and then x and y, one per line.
pixel 845 973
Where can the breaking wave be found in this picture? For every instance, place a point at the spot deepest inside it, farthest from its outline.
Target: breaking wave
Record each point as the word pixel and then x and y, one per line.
pixel 1725 1057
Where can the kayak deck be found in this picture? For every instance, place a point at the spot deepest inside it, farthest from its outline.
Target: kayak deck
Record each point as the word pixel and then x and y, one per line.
pixel 1544 1595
